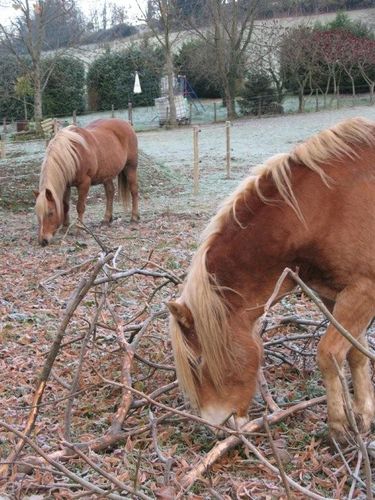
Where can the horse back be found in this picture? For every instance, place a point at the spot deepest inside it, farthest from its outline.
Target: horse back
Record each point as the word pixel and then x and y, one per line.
pixel 331 245
pixel 111 145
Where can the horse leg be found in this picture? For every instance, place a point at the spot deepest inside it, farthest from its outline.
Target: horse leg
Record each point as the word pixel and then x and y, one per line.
pixel 354 309
pixel 131 172
pixel 66 202
pixel 364 398
pixel 83 190
pixel 109 194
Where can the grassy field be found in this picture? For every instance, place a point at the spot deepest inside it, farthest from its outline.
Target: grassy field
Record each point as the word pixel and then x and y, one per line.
pixel 152 453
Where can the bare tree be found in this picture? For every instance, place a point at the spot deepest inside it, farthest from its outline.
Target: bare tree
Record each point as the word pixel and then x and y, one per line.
pixel 26 36
pixel 229 31
pixel 300 61
pixel 118 14
pixel 329 44
pixel 162 19
pixel 266 54
pixel 365 54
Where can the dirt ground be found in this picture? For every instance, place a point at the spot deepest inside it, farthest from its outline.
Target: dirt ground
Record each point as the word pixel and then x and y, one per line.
pixel 36 287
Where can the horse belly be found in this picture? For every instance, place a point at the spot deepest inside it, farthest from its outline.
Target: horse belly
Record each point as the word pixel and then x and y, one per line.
pixel 106 170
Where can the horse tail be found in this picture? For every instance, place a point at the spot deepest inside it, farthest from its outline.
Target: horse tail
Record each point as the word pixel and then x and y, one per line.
pixel 123 188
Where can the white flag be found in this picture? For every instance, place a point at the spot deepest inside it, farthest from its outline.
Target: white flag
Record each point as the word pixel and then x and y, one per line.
pixel 137 85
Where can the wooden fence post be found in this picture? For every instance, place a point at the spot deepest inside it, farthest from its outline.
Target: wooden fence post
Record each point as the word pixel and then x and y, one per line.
pixel 113 111
pixel 196 160
pixel 228 155
pixel 130 113
pixel 215 114
pixel 75 117
pixel 5 125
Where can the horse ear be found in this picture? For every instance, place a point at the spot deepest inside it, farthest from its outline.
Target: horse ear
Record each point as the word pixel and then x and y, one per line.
pixel 35 193
pixel 181 313
pixel 49 195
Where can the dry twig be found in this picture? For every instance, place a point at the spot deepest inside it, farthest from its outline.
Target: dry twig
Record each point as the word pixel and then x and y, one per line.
pixel 76 298
pixel 86 484
pixel 222 447
pixel 353 424
pixel 294 484
pixel 280 466
pixel 119 484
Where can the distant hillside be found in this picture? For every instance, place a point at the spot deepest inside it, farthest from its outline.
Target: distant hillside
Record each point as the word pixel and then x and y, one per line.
pixel 88 53
pixel 366 16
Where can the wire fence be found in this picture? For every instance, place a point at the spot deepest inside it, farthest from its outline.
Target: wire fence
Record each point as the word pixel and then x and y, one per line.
pixel 20 157
pixel 198 112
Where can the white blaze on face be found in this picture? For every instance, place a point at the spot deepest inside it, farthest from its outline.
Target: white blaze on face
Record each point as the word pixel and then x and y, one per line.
pixel 217 415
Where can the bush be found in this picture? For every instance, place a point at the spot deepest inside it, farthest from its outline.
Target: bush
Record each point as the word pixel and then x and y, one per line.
pixel 110 79
pixel 199 67
pixel 64 92
pixel 258 95
pixel 10 106
pixel 118 31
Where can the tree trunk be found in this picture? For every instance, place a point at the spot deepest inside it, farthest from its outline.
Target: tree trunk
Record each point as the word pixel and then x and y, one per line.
pixel 230 105
pixel 301 101
pixel 172 104
pixel 229 85
pixel 372 92
pixel 38 110
pixel 25 107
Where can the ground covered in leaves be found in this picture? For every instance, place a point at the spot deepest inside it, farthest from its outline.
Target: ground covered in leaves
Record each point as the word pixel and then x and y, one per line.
pixel 155 449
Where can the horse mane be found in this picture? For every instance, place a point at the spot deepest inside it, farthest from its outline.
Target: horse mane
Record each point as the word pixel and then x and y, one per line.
pixel 59 167
pixel 202 294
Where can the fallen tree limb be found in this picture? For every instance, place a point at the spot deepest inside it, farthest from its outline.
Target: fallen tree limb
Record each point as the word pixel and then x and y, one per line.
pixel 222 447
pixel 288 480
pixel 76 298
pixel 120 484
pixel 88 486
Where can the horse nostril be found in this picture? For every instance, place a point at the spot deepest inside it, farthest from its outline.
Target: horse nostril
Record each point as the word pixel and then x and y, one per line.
pixel 44 242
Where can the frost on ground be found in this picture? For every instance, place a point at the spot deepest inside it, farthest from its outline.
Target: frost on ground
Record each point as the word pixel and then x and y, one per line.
pixel 36 284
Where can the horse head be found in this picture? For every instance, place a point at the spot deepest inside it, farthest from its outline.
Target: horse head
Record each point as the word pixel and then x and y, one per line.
pixel 222 384
pixel 49 216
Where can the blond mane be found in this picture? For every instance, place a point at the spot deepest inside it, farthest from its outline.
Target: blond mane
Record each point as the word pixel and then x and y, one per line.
pixel 59 167
pixel 202 294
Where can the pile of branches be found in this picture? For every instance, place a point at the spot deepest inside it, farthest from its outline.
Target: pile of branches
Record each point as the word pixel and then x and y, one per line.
pixel 107 336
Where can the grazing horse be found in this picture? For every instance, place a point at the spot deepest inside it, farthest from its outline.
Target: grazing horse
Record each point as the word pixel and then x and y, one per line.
pixel 311 210
pixel 83 157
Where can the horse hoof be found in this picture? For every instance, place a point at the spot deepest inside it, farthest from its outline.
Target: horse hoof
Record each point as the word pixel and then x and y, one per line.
pixel 339 433
pixel 365 414
pixel 364 421
pixel 106 223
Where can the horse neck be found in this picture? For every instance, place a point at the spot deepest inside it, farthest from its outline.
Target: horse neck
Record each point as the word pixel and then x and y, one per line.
pixel 55 184
pixel 247 277
pixel 60 164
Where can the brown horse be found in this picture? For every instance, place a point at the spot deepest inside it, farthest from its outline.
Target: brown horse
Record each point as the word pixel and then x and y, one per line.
pixel 312 210
pixel 83 157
